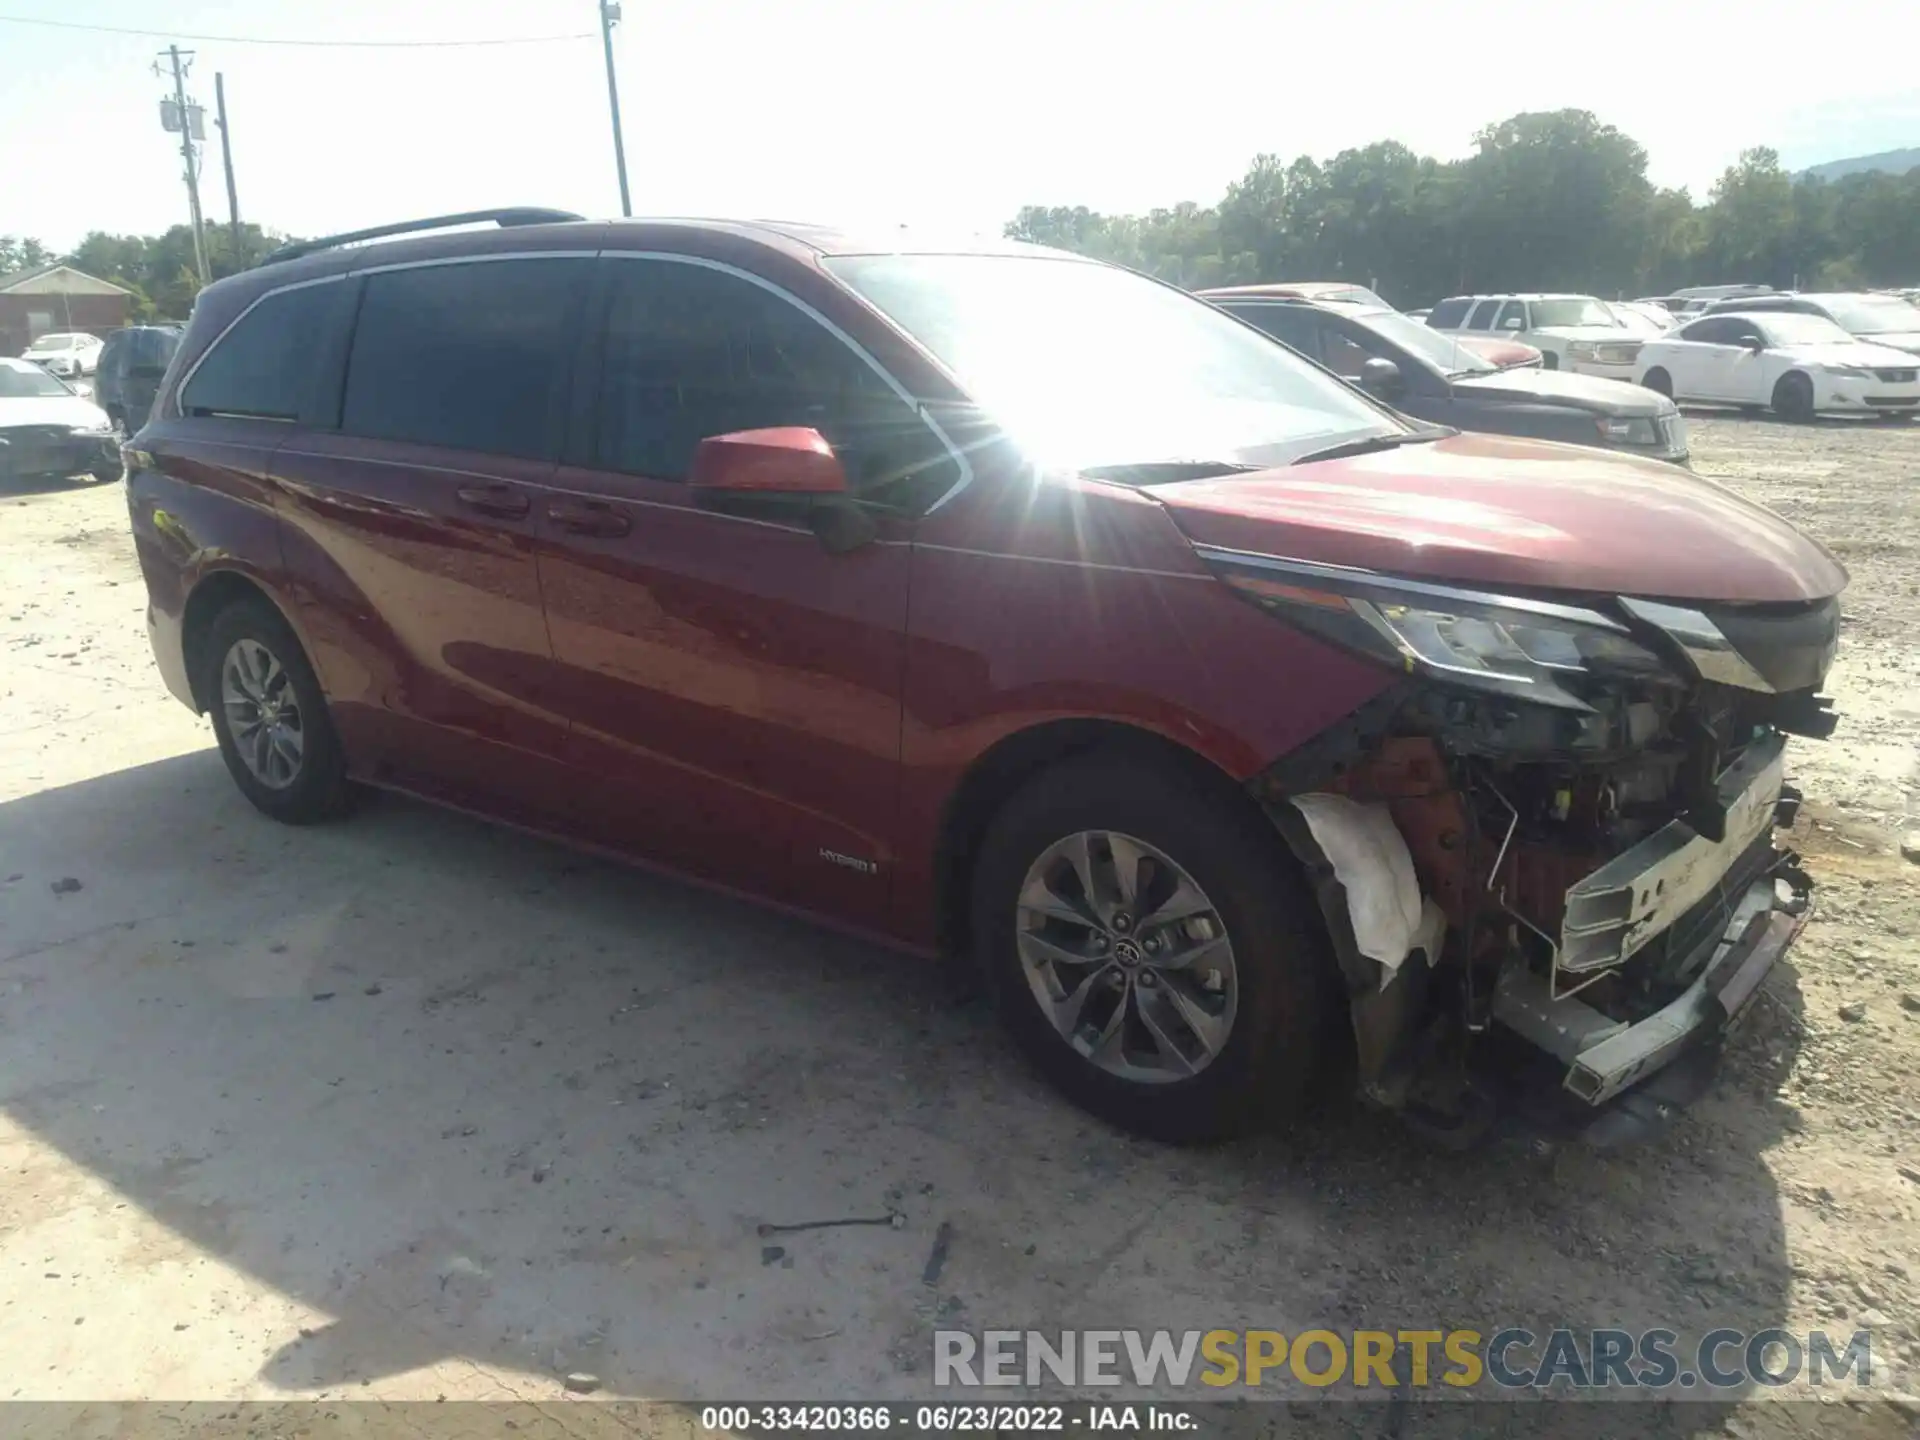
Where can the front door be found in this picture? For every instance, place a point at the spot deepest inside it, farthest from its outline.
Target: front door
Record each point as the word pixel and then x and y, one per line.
pixel 411 527
pixel 734 687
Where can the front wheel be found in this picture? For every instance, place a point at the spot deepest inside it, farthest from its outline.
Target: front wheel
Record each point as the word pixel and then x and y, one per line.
pixel 1658 381
pixel 1793 398
pixel 270 717
pixel 1153 949
pixel 1549 360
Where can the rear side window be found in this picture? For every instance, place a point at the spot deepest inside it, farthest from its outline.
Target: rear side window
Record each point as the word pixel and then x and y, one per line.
pixel 471 356
pixel 1290 324
pixel 261 367
pixel 691 352
pixel 1710 332
pixel 1448 314
pixel 1483 315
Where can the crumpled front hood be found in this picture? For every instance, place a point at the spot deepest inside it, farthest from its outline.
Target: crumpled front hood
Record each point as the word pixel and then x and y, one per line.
pixel 1593 393
pixel 1492 511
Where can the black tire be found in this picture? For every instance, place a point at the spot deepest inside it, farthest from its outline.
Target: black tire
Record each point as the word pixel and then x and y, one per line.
pixel 1549 360
pixel 318 789
pixel 107 474
pixel 1793 398
pixel 1287 987
pixel 1658 381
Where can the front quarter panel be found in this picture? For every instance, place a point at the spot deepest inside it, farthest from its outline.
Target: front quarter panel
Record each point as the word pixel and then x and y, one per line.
pixel 1034 603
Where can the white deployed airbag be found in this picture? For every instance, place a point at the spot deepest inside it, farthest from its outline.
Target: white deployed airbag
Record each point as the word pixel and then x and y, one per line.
pixel 1369 857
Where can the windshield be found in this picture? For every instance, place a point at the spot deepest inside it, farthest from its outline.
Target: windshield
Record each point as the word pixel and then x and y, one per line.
pixel 1802 330
pixel 1578 310
pixel 27 382
pixel 53 342
pixel 1444 352
pixel 1087 365
pixel 1873 314
pixel 1638 317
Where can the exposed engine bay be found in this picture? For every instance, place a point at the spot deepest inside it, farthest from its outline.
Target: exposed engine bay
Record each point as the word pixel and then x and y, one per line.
pixel 1599 885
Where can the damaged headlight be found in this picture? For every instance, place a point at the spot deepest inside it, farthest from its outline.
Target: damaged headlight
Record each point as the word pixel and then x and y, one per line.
pixel 1507 644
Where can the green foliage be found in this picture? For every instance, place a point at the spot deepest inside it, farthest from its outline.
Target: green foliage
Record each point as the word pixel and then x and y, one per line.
pixel 1550 201
pixel 22 254
pixel 158 269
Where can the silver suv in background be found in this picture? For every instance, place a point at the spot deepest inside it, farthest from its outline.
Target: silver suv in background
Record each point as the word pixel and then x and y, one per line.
pixel 1571 332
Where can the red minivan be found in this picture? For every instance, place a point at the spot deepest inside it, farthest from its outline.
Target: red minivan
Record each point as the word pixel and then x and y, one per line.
pixel 1003 604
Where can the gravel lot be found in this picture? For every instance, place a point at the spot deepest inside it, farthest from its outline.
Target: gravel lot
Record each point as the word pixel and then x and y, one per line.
pixel 413 1107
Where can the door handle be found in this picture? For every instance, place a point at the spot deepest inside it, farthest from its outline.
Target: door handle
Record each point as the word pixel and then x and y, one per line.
pixel 501 500
pixel 588 517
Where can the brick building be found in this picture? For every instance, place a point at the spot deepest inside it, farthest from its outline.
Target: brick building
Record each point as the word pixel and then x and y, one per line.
pixel 57 298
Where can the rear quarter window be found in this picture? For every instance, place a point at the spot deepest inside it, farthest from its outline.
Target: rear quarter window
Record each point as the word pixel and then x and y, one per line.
pixel 261 368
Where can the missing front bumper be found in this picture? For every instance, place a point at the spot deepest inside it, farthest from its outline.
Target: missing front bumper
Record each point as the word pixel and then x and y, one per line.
pixel 1605 1057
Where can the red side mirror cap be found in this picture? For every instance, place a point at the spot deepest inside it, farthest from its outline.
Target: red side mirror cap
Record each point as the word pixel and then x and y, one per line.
pixel 790 460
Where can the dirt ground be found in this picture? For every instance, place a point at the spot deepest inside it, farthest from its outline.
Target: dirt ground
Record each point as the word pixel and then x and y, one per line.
pixel 411 1107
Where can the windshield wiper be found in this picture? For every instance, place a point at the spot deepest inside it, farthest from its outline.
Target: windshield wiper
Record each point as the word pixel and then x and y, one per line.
pixel 1368 444
pixel 1167 472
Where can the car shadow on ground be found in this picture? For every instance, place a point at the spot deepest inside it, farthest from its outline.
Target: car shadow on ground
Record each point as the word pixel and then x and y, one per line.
pixel 463 1094
pixel 1764 416
pixel 24 485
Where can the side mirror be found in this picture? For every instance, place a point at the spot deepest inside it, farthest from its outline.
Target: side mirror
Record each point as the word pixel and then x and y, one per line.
pixel 789 471
pixel 793 460
pixel 1754 343
pixel 1381 377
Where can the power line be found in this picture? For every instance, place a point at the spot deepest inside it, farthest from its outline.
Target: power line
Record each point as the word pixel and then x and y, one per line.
pixel 315 44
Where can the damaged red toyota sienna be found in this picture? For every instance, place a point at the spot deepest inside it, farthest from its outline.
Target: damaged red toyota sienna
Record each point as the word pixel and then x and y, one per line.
pixel 1000 603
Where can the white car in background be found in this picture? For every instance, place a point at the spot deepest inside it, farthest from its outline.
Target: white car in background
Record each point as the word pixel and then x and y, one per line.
pixel 1876 319
pixel 67 355
pixel 47 431
pixel 1798 365
pixel 1571 332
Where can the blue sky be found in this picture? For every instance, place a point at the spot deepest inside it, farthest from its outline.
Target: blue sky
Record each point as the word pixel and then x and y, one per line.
pixel 940 112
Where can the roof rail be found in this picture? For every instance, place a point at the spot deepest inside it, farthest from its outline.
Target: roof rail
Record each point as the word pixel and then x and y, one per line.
pixel 512 215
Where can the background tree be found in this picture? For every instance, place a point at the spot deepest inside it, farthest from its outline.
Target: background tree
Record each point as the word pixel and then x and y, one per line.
pixel 1548 201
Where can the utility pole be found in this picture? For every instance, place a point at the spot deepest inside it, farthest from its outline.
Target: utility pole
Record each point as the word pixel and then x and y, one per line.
pixel 185 119
pixel 226 158
pixel 609 17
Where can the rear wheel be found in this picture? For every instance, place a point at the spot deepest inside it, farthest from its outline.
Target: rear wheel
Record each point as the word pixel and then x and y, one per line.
pixel 1658 381
pixel 1153 949
pixel 1793 398
pixel 269 715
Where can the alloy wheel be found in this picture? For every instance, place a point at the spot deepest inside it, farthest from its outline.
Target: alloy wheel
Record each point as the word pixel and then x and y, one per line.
pixel 263 714
pixel 1127 957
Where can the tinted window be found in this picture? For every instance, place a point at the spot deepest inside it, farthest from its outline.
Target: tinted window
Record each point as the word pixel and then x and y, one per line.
pixel 1448 314
pixel 471 356
pixel 1483 315
pixel 1710 332
pixel 692 352
pixel 1290 324
pixel 1513 313
pixel 261 366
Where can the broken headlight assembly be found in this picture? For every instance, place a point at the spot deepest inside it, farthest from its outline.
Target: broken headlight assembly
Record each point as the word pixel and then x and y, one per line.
pixel 1515 646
